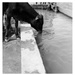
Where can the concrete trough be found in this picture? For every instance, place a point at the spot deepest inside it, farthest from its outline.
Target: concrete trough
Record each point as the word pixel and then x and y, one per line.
pixel 31 61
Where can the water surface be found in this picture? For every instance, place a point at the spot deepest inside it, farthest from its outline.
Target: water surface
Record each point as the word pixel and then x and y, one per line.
pixel 55 43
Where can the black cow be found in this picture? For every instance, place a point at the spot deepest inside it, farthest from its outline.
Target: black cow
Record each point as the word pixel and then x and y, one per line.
pixel 22 12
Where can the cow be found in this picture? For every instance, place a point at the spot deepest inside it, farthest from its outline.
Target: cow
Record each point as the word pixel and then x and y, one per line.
pixel 22 12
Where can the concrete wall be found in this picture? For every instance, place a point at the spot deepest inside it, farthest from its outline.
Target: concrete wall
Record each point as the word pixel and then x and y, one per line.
pixel 65 7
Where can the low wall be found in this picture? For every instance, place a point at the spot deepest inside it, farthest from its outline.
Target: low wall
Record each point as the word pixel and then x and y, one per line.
pixel 65 7
pixel 31 61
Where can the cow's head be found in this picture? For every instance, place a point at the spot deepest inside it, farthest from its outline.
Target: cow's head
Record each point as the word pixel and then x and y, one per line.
pixel 37 23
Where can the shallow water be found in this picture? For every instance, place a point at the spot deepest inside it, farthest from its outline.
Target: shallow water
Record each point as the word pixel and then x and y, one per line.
pixel 55 43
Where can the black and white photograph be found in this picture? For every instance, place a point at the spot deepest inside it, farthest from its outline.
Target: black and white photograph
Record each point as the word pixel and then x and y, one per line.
pixel 37 37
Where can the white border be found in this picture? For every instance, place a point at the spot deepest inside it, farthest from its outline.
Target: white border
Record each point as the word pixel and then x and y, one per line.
pixel 73 28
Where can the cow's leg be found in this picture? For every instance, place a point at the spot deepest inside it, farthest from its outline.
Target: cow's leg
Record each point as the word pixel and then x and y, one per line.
pixel 4 26
pixel 16 29
pixel 8 27
pixel 4 33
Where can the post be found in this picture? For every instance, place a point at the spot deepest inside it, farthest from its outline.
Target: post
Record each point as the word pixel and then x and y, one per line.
pixel 31 61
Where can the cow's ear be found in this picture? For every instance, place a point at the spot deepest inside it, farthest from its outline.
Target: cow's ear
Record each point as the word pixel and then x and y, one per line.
pixel 37 17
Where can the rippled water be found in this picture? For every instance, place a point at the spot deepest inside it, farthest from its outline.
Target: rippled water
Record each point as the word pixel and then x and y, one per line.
pixel 55 43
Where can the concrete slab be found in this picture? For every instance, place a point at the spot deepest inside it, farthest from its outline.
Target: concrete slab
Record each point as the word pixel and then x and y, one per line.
pixel 31 61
